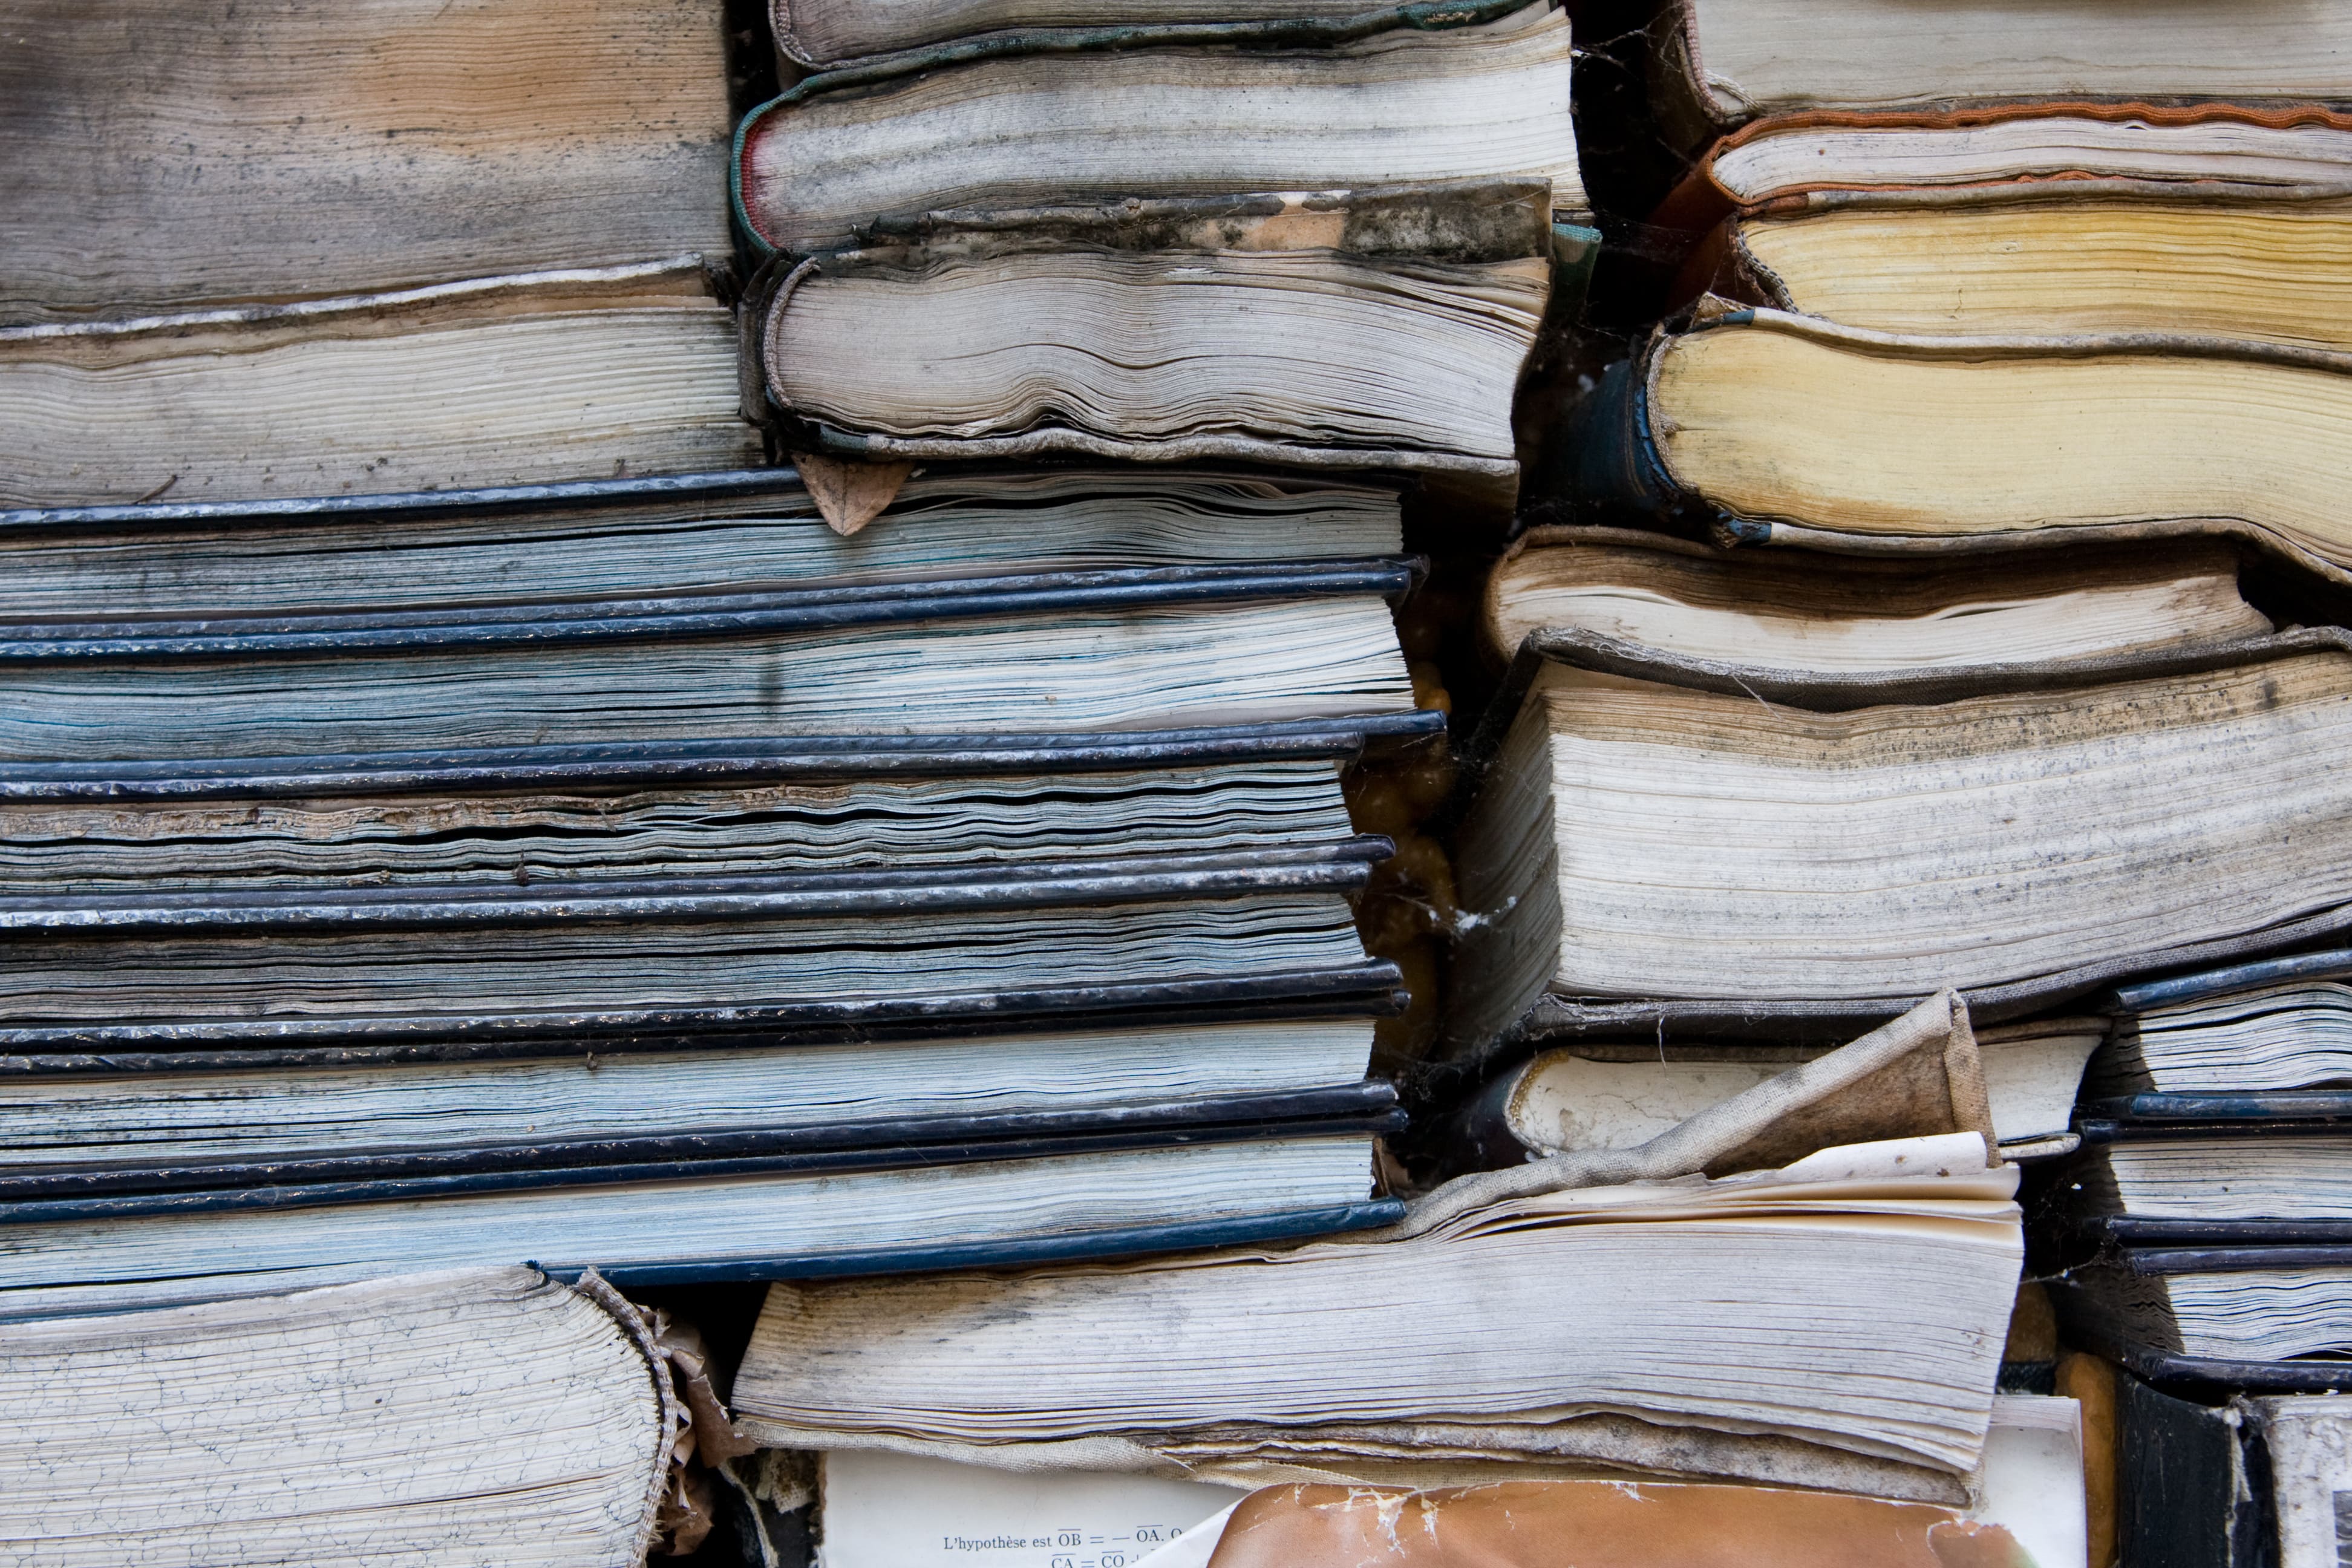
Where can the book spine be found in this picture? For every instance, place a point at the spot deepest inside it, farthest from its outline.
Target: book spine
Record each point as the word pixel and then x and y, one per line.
pixel 1604 456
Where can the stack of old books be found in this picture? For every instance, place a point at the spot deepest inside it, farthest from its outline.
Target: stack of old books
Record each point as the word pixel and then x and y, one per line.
pixel 2019 336
pixel 465 810
pixel 459 812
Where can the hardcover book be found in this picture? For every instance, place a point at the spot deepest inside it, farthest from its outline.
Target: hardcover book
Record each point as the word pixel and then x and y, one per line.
pixel 1795 429
pixel 1726 61
pixel 1661 837
pixel 1132 115
pixel 1372 330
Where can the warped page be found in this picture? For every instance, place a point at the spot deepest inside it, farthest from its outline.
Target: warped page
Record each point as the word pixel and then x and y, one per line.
pixel 1794 428
pixel 254 838
pixel 1862 615
pixel 403 1421
pixel 502 548
pixel 160 155
pixel 1505 1328
pixel 1739 59
pixel 1364 329
pixel 1404 107
pixel 511 380
pixel 1704 836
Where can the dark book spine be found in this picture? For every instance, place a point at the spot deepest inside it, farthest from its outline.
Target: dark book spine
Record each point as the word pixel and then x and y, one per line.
pixel 1602 457
pixel 2186 1495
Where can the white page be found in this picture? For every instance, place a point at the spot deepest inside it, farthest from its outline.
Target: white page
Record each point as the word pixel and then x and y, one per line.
pixel 2032 1478
pixel 892 1510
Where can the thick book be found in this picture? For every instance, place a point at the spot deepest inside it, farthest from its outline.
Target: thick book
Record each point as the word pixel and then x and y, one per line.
pixel 2214 1179
pixel 1660 839
pixel 158 158
pixel 1110 1192
pixel 662 537
pixel 1796 430
pixel 1134 648
pixel 405 1420
pixel 1129 114
pixel 1795 611
pixel 518 378
pixel 1493 1331
pixel 1726 61
pixel 1377 329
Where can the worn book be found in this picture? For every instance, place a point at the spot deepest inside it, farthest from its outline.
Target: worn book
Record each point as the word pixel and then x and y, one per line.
pixel 829 34
pixel 400 1421
pixel 1132 648
pixel 663 537
pixel 1724 62
pixel 511 379
pixel 2267 1038
pixel 1801 611
pixel 1327 1357
pixel 582 954
pixel 1127 114
pixel 1664 838
pixel 1105 1192
pixel 2274 1317
pixel 1378 329
pixel 1796 430
pixel 1032 1369
pixel 158 158
pixel 1619 1094
pixel 2217 222
pixel 2255 1480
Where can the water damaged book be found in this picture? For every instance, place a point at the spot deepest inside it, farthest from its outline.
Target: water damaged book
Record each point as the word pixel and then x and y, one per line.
pixel 315 249
pixel 1372 329
pixel 1167 110
pixel 1727 790
pixel 1032 938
